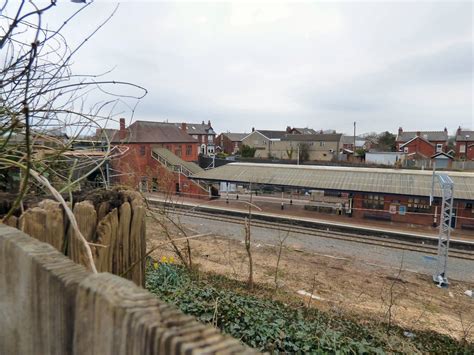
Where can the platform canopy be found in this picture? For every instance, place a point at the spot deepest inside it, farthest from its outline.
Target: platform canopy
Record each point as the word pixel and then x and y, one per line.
pixel 347 179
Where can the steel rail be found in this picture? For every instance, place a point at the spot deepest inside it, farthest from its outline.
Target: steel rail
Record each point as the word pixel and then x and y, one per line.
pixel 351 237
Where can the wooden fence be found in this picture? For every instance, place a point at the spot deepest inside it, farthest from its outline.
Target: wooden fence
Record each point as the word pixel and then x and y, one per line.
pixel 112 221
pixel 51 305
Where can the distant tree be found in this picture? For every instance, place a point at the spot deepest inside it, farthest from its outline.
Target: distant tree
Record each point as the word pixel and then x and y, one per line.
pixel 247 151
pixel 386 141
pixel 360 152
pixel 304 152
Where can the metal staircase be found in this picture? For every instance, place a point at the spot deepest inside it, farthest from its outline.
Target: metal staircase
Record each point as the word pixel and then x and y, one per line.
pixel 175 164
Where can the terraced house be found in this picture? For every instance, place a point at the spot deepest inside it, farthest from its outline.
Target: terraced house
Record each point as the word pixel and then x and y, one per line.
pixel 464 144
pixel 203 133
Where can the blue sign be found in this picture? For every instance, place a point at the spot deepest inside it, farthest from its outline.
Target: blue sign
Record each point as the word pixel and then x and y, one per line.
pixel 402 210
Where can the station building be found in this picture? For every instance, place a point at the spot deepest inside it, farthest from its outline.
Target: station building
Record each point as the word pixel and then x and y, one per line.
pixel 363 193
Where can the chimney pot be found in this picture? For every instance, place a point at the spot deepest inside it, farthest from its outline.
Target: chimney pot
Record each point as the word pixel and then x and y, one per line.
pixel 445 130
pixel 203 122
pixel 253 129
pixel 400 130
pixel 184 126
pixel 209 122
pixel 459 131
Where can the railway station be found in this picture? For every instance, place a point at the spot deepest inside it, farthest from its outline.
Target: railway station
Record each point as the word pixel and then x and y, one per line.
pixel 346 193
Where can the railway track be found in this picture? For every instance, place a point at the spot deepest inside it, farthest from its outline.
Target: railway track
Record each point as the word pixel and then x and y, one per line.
pixel 352 237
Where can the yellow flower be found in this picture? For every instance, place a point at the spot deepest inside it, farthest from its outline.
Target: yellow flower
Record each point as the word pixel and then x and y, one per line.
pixel 155 265
pixel 171 260
pixel 164 259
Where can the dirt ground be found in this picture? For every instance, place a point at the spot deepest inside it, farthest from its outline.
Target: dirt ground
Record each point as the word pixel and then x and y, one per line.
pixel 346 287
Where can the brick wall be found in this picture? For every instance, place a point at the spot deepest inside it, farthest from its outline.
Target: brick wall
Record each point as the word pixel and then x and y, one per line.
pixel 138 164
pixel 50 305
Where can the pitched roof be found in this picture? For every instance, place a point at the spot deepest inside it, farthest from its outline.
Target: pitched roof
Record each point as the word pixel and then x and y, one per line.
pixel 196 128
pixel 414 138
pixel 333 137
pixel 429 135
pixel 465 136
pixel 442 154
pixel 305 130
pixel 272 134
pixel 235 137
pixel 154 132
pixel 106 133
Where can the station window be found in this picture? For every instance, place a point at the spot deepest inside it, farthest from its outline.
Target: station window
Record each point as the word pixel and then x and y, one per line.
pixel 416 204
pixel 189 150
pixel 177 151
pixel 374 202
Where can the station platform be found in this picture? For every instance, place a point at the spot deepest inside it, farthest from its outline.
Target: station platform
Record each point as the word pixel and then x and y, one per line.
pixel 271 208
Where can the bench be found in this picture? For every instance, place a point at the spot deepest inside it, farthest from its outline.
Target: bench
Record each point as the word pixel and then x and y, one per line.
pixel 469 226
pixel 377 216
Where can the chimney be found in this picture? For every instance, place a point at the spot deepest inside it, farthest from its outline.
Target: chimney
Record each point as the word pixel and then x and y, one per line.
pixel 209 123
pixel 288 129
pixel 184 127
pixel 458 132
pixel 400 130
pixel 122 131
pixel 445 130
pixel 202 122
pixel 418 133
pixel 253 129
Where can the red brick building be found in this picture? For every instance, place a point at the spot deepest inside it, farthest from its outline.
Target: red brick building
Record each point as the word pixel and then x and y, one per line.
pixel 203 133
pixel 140 168
pixel 464 144
pixel 437 139
pixel 230 143
pixel 418 146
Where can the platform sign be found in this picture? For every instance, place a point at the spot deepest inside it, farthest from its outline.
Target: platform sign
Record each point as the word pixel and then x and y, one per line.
pixel 393 209
pixel 402 210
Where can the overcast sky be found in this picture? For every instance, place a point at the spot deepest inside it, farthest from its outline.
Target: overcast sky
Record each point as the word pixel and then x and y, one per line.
pixel 320 65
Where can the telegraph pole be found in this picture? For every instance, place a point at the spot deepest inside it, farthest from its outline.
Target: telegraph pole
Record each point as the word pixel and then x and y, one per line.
pixel 354 148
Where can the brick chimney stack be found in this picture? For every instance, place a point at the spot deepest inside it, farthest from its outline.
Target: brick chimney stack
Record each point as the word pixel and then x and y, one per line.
pixel 445 130
pixel 122 131
pixel 253 129
pixel 458 132
pixel 418 133
pixel 209 122
pixel 400 130
pixel 184 127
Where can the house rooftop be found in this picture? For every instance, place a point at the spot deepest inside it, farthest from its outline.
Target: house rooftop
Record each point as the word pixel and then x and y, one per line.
pixel 428 135
pixel 235 137
pixel 333 137
pixel 272 134
pixel 154 132
pixel 465 136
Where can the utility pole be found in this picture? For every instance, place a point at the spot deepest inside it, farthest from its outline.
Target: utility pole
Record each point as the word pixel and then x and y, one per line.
pixel 354 148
